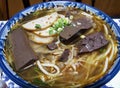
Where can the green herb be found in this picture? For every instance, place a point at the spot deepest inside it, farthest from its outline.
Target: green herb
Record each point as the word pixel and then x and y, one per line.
pixel 17 25
pixel 37 26
pixel 39 82
pixel 59 25
pixel 102 50
pixel 36 13
pixel 59 30
pixel 36 69
pixel 50 32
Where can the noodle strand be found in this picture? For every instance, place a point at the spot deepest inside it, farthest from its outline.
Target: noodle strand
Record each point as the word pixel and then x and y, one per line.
pixel 106 30
pixel 106 65
pixel 112 52
pixel 48 65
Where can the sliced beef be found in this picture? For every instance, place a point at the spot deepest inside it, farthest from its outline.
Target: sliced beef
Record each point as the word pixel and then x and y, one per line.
pixel 92 42
pixel 52 46
pixel 64 56
pixel 69 34
pixel 22 52
pixel 76 28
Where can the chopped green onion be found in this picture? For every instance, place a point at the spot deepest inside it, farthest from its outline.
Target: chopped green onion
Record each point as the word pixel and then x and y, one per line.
pixel 36 13
pixel 59 30
pixel 59 25
pixel 37 26
pixel 50 32
pixel 102 50
pixel 36 69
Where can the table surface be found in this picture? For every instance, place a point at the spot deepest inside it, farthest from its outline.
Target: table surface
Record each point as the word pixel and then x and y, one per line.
pixel 114 83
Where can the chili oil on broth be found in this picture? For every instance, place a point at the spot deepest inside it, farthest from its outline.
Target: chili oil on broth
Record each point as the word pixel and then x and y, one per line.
pixel 78 70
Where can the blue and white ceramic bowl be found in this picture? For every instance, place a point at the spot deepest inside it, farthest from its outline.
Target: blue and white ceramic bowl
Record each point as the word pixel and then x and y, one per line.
pixel 4 32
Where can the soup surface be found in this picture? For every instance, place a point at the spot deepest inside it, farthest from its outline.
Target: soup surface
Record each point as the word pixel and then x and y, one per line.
pixel 61 48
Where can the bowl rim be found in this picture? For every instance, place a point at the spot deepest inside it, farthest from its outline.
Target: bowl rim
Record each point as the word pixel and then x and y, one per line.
pixel 4 31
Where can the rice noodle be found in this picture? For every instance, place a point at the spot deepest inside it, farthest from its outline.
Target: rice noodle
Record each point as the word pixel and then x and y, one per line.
pixel 105 53
pixel 86 14
pixel 74 66
pixel 58 52
pixel 89 63
pixel 105 28
pixel 48 65
pixel 78 63
pixel 91 58
pixel 90 31
pixel 75 86
pixel 70 57
pixel 106 65
pixel 113 48
pixel 56 78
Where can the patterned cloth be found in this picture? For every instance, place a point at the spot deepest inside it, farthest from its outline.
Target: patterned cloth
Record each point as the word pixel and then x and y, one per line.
pixel 114 83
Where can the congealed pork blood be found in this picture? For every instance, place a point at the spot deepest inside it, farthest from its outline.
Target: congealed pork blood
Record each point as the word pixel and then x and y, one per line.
pixel 22 52
pixel 77 27
pixel 92 42
pixel 52 46
pixel 64 56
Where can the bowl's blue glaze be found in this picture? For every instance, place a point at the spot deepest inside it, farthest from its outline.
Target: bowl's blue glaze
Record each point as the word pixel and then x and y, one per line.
pixel 3 33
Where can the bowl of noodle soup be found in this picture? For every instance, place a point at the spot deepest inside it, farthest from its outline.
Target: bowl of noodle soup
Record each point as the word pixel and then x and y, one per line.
pixel 58 60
